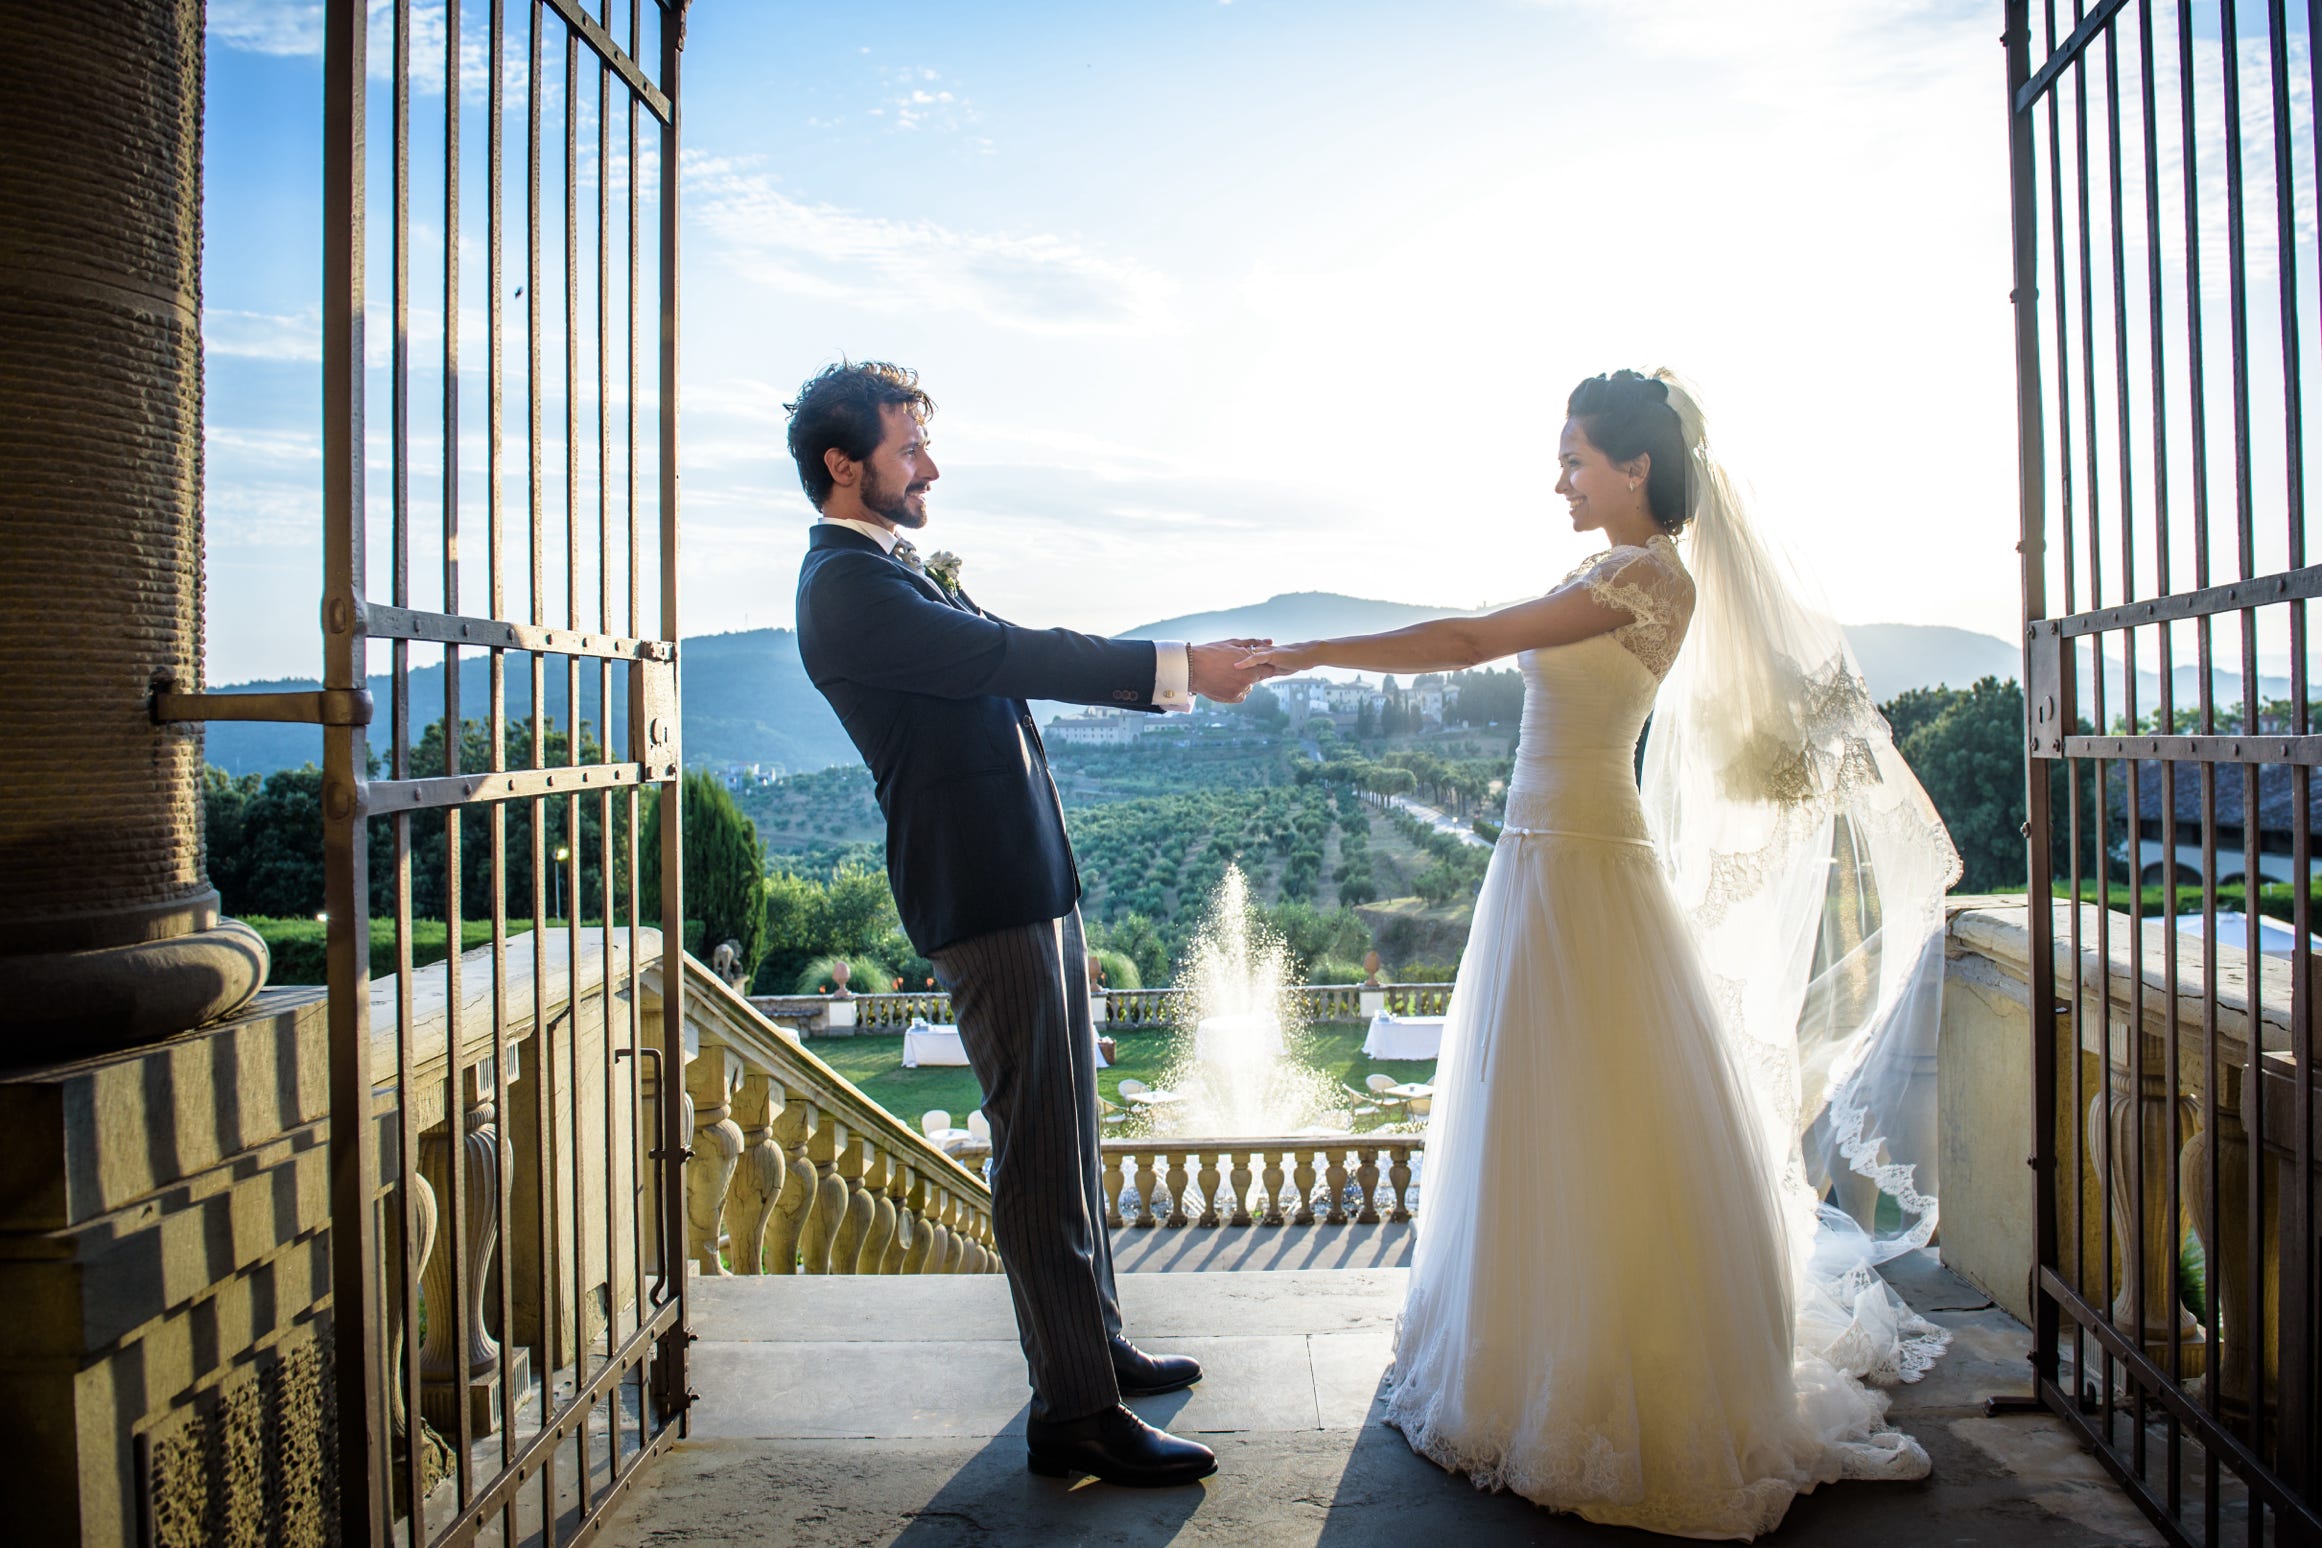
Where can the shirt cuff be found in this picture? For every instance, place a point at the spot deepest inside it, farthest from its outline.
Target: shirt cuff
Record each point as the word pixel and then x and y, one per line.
pixel 1172 676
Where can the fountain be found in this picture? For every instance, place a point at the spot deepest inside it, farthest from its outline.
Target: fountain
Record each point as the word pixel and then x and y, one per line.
pixel 1242 1076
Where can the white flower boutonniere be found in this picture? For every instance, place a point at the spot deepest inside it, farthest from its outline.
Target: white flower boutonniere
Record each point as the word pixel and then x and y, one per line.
pixel 943 569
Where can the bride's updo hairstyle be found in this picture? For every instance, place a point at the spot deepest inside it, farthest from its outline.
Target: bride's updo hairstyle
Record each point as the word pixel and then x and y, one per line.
pixel 1626 415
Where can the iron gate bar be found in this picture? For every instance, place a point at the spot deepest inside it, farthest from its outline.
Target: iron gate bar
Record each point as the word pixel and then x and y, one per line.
pixel 2300 584
pixel 582 25
pixel 675 1398
pixel 356 1304
pixel 403 623
pixel 2063 58
pixel 503 1264
pixel 389 796
pixel 2249 751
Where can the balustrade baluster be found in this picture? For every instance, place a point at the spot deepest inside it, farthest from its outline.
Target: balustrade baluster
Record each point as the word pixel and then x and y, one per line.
pixel 1176 1189
pixel 711 1079
pixel 922 1229
pixel 444 1374
pixel 1147 1180
pixel 1399 1183
pixel 1303 1175
pixel 830 1196
pixel 758 1176
pixel 879 1228
pixel 1207 1180
pixel 899 1179
pixel 1336 1181
pixel 1241 1186
pixel 856 1216
pixel 792 1222
pixel 1113 1184
pixel 938 1231
pixel 1273 1182
pixel 987 1245
pixel 955 1236
pixel 1367 1178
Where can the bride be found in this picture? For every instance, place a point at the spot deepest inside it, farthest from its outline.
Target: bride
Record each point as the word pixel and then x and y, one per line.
pixel 1684 1072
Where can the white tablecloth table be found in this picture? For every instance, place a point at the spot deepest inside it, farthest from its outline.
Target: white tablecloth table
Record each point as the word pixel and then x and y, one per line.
pixel 924 1043
pixel 1404 1037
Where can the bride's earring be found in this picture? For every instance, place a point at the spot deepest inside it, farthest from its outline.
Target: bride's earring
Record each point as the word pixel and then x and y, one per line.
pixel 1632 486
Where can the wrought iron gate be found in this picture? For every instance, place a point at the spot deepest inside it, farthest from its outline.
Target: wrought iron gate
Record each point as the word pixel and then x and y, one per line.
pixel 2162 160
pixel 506 1151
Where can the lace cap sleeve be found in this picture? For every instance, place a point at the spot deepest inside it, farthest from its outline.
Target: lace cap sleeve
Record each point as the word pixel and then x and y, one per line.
pixel 1653 589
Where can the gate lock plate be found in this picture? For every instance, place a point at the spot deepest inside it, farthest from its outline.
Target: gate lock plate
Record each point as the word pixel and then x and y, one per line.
pixel 653 712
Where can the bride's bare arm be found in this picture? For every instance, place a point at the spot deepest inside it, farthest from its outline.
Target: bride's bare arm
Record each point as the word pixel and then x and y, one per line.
pixel 1451 644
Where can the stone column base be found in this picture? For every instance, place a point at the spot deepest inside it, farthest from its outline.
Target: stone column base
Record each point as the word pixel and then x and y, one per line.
pixel 70 1004
pixel 166 1372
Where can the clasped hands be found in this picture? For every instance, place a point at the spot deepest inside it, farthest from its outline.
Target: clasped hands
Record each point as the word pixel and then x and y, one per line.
pixel 1226 670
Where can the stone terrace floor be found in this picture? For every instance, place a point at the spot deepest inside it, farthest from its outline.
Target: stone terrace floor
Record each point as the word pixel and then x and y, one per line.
pixel 891 1411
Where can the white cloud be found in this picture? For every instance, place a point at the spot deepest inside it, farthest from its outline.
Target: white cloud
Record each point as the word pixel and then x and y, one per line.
pixel 1036 283
pixel 292 336
pixel 267 26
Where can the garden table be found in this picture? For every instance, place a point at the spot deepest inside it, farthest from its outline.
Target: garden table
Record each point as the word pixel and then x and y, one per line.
pixel 1404 1037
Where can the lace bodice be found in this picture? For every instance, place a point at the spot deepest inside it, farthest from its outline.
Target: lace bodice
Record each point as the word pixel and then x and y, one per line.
pixel 1585 703
pixel 1650 583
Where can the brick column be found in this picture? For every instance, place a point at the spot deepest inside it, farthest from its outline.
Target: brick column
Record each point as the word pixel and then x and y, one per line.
pixel 109 928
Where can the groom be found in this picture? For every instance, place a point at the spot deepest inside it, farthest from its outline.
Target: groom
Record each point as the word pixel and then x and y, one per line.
pixel 932 689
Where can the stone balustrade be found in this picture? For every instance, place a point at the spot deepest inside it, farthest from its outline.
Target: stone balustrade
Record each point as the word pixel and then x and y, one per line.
pixel 2182 1081
pixel 796 1171
pixel 1298 1180
pixel 829 1015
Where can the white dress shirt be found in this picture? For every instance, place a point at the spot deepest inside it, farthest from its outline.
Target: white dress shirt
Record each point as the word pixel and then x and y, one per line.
pixel 1172 668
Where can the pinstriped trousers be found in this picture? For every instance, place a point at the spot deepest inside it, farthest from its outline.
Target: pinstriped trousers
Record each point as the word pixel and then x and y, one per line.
pixel 1021 999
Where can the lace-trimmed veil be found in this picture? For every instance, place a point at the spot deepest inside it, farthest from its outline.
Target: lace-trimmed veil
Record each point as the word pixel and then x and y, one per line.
pixel 1813 866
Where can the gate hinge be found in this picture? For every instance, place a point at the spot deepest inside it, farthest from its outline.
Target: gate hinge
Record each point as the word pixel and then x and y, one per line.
pixel 653 714
pixel 319 707
pixel 2047 689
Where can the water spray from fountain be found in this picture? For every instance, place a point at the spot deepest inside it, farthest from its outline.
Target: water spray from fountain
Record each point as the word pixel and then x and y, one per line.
pixel 1241 1076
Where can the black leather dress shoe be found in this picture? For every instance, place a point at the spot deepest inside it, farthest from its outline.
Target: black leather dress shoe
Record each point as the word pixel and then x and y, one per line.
pixel 1144 1375
pixel 1118 1447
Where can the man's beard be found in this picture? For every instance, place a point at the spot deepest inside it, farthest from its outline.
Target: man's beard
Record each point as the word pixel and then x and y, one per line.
pixel 892 504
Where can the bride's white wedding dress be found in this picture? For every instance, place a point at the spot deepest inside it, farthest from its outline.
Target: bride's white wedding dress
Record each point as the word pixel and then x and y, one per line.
pixel 1603 1305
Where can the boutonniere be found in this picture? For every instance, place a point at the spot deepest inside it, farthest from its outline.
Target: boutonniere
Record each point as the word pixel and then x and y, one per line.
pixel 943 569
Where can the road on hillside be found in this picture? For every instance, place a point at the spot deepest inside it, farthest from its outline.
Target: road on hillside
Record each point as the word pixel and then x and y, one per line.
pixel 1441 822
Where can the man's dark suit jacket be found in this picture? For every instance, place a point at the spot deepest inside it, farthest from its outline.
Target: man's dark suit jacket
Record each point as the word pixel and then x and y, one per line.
pixel 933 692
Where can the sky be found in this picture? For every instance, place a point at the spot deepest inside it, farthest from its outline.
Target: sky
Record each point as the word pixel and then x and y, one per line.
pixel 1220 300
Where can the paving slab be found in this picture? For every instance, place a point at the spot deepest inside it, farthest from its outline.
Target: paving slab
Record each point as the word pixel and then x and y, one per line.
pixel 829 1416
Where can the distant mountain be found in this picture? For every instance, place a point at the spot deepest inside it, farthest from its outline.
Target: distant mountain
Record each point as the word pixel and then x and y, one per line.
pixel 747 700
pixel 1898 657
pixel 1295 615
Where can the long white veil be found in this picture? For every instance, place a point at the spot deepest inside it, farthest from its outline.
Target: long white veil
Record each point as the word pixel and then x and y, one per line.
pixel 1813 867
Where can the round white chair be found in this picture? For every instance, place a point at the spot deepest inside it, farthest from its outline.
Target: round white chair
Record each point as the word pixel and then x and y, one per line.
pixel 933 1122
pixel 979 1126
pixel 1133 1088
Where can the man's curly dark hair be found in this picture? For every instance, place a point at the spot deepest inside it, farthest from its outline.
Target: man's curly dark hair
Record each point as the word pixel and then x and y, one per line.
pixel 839 407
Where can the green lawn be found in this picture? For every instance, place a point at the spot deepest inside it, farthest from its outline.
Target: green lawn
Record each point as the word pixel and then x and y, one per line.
pixel 2276 900
pixel 875 1063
